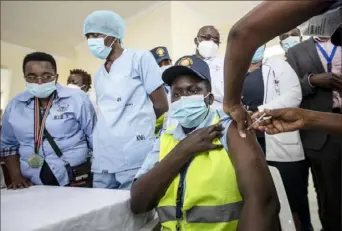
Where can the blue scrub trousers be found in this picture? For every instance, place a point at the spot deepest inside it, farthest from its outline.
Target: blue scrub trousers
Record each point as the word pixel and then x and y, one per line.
pixel 120 180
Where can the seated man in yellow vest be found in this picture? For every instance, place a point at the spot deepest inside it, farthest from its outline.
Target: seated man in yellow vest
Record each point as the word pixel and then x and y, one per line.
pixel 201 175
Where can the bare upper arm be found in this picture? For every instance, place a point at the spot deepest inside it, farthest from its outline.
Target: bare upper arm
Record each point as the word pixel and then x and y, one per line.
pixel 253 176
pixel 159 99
pixel 272 18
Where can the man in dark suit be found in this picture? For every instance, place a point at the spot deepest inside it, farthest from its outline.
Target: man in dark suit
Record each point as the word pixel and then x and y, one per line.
pixel 317 63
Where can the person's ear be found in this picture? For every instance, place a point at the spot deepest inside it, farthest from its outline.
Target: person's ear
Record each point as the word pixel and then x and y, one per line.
pixel 196 41
pixel 211 99
pixel 110 41
pixel 57 78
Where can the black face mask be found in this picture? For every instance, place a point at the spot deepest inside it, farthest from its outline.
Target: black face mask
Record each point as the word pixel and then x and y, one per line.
pixel 336 37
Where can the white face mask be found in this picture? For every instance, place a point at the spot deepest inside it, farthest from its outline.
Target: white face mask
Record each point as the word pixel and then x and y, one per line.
pixel 70 85
pixel 163 68
pixel 207 49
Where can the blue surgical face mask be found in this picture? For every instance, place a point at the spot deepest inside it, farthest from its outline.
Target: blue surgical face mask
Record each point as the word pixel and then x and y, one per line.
pixel 259 55
pixel 41 90
pixel 98 48
pixel 290 42
pixel 189 111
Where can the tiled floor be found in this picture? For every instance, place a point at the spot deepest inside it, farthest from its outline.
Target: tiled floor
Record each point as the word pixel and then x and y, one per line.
pixel 313 207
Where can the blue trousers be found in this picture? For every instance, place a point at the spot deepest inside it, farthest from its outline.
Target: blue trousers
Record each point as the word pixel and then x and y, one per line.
pixel 121 180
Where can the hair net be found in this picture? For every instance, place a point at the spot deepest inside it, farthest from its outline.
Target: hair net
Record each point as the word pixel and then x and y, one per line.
pixel 105 22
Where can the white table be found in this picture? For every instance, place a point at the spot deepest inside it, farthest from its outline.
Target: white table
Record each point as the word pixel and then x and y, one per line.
pixel 49 208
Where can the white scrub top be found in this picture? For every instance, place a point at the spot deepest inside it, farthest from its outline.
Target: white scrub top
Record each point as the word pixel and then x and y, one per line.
pixel 92 97
pixel 124 133
pixel 216 72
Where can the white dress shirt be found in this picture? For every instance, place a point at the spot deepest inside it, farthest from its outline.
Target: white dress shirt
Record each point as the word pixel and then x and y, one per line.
pixel 216 72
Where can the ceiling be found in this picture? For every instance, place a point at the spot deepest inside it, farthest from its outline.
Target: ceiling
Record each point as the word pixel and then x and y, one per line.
pixel 222 11
pixel 58 29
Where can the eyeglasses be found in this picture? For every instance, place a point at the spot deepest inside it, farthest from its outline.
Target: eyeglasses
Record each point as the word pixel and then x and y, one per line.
pixel 45 78
pixel 209 37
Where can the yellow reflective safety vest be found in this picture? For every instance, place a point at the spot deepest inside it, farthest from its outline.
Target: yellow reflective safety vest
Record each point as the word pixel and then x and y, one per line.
pixel 159 125
pixel 204 196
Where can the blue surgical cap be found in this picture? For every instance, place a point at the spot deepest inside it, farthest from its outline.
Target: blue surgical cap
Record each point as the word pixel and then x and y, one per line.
pixel 105 22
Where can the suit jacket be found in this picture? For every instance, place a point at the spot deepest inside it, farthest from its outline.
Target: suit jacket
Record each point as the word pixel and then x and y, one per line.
pixel 305 60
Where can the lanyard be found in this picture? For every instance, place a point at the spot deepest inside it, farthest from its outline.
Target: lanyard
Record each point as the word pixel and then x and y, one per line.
pixel 39 122
pixel 328 58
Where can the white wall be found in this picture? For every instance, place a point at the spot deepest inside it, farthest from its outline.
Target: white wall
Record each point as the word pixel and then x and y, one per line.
pixel 12 59
pixel 185 24
pixel 5 87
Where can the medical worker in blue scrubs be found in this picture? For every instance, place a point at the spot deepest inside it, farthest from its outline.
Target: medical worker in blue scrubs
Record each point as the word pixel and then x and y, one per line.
pixel 130 96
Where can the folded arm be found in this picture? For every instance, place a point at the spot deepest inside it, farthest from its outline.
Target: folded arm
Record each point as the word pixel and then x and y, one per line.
pixel 307 89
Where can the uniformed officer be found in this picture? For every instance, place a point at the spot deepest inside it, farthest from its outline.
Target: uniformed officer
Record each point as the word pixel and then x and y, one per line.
pixel 198 168
pixel 161 55
pixel 45 107
pixel 130 96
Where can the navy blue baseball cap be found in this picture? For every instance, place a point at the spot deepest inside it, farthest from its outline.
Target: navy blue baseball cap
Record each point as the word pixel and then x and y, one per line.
pixel 187 65
pixel 160 54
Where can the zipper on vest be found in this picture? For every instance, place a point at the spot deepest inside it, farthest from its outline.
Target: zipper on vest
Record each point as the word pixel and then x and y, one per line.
pixel 180 195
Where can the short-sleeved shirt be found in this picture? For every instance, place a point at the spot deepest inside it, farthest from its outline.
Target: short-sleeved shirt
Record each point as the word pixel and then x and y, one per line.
pixel 70 122
pixel 153 157
pixel 124 133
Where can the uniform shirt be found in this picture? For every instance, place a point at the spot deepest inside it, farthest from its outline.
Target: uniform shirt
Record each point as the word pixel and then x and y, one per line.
pixel 216 72
pixel 153 157
pixel 124 133
pixel 70 122
pixel 336 66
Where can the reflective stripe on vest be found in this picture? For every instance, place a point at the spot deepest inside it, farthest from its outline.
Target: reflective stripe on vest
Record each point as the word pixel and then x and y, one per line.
pixel 203 214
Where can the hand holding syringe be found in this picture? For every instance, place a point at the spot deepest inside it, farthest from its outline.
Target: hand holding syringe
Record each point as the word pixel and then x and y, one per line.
pixel 260 119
